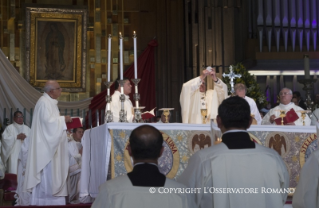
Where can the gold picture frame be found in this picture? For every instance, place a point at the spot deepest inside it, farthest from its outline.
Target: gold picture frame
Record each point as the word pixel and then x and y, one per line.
pixel 56 47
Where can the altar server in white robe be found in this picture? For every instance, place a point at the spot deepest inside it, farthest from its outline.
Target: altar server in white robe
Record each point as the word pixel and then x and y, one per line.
pixel 285 96
pixel 23 198
pixel 194 97
pixel 48 160
pixel 240 90
pixel 75 159
pixel 236 163
pixel 12 139
pixel 135 188
pixel 306 194
pixel 116 102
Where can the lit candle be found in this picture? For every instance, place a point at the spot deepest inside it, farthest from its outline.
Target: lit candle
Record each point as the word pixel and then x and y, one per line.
pixel 306 66
pixel 135 56
pixel 121 57
pixel 109 61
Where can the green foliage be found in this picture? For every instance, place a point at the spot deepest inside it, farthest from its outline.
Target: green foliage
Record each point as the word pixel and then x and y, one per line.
pixel 253 89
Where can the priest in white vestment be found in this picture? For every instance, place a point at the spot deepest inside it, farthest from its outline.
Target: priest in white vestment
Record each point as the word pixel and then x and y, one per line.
pixel 285 104
pixel 23 198
pixel 75 159
pixel 116 103
pixel 48 160
pixel 194 97
pixel 12 139
pixel 240 90
pixel 306 193
pixel 144 186
pixel 236 172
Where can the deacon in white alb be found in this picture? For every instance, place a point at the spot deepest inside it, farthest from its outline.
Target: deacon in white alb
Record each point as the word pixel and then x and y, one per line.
pixel 116 103
pixel 285 104
pixel 75 159
pixel 306 194
pixel 194 97
pixel 12 139
pixel 233 173
pixel 240 90
pixel 48 159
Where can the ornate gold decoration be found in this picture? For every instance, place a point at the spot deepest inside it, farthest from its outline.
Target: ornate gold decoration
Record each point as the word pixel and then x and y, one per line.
pixel 122 134
pixel 204 115
pixel 185 158
pixel 297 139
pixel 179 138
pixel 282 115
pixel 304 147
pixel 166 114
pixel 119 157
pixel 294 158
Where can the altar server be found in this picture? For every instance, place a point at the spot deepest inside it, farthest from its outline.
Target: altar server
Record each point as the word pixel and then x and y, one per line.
pixel 48 160
pixel 237 164
pixel 285 105
pixel 306 194
pixel 12 139
pixel 240 90
pixel 116 102
pixel 194 97
pixel 143 186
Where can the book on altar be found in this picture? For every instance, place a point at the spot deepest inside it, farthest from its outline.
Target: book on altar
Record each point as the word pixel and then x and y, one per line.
pixel 148 114
pixel 291 116
pixel 76 123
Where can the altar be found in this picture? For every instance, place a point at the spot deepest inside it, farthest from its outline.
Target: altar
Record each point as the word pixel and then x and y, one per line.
pixel 293 143
pixel 181 141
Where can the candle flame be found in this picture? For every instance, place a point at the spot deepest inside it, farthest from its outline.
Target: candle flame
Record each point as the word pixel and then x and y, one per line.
pixel 134 32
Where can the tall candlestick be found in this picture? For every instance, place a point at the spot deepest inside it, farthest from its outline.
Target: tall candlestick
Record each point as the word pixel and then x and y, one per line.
pixel 121 57
pixel 109 60
pixel 135 56
pixel 306 66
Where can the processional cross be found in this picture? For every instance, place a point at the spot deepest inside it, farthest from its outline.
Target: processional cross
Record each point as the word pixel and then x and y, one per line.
pixel 231 76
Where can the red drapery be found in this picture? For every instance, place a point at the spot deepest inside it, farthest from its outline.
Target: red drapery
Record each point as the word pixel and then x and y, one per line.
pixel 146 87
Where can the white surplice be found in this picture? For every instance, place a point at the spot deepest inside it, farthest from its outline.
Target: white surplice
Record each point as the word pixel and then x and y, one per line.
pixel 22 198
pixel 192 100
pixel 74 169
pixel 11 146
pixel 116 107
pixel 253 109
pixel 306 194
pixel 218 167
pixel 48 160
pixel 120 193
pixel 276 111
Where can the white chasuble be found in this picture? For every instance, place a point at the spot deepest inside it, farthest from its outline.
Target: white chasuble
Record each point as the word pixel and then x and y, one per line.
pixel 276 111
pixel 48 147
pixel 116 107
pixel 11 146
pixel 191 100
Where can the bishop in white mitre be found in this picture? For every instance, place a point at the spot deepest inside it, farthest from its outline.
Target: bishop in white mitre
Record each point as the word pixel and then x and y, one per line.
pixel 48 159
pixel 12 139
pixel 116 103
pixel 194 97
pixel 240 90
pixel 285 105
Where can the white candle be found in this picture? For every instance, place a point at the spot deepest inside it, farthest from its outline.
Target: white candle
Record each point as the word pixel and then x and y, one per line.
pixel 135 56
pixel 121 57
pixel 109 60
pixel 136 102
pixel 306 66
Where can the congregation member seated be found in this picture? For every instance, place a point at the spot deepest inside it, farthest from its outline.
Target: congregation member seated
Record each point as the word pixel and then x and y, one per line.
pixel 306 194
pixel 285 105
pixel 225 170
pixel 143 186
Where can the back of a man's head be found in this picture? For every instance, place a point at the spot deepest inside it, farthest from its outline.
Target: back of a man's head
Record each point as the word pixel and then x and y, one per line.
pixel 234 112
pixel 146 142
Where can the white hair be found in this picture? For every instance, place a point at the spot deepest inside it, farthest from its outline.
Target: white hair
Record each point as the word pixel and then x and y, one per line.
pixel 287 89
pixel 48 86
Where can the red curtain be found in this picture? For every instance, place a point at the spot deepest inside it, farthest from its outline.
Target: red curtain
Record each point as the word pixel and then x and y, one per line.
pixel 146 87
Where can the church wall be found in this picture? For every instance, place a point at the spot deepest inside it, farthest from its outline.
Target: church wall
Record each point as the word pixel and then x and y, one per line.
pixel 163 20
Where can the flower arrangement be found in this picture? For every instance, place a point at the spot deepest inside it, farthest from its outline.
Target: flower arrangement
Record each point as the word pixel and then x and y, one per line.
pixel 253 89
